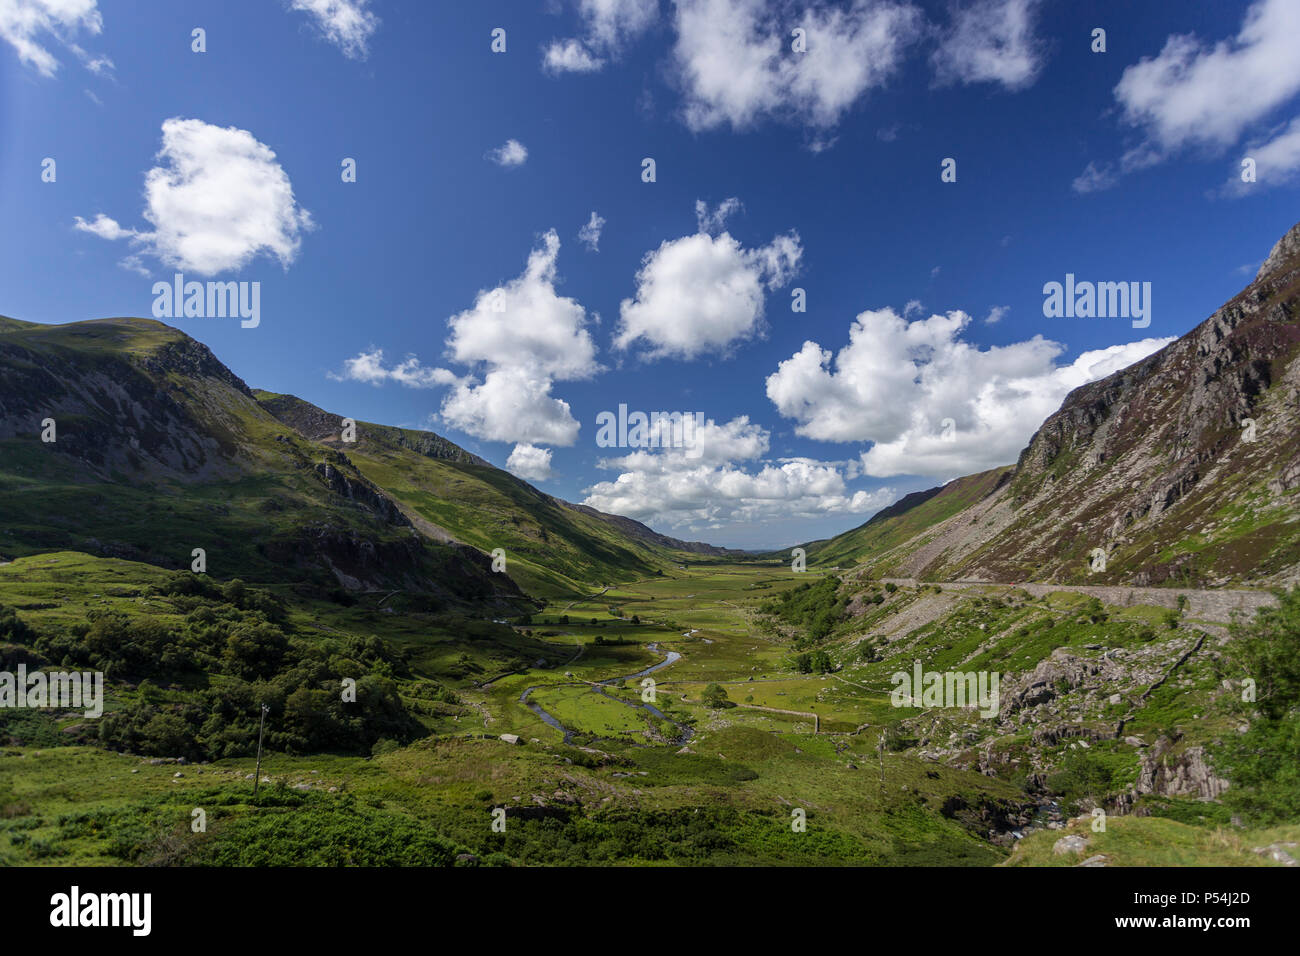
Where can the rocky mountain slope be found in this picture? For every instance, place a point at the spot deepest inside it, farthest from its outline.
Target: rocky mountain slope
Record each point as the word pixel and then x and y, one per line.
pixel 1181 469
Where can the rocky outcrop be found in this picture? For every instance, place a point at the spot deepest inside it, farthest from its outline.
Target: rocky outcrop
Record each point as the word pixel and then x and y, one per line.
pixel 1183 773
pixel 360 491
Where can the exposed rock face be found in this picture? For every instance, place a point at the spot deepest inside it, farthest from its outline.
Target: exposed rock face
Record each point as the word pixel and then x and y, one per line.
pixel 322 426
pixel 146 416
pixel 1183 468
pixel 357 489
pixel 1060 673
pixel 1185 774
pixel 1286 247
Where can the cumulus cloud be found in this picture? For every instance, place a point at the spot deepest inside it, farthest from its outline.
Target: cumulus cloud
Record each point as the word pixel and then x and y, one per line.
pixel 524 337
pixel 530 462
pixel 609 25
pixel 991 41
pixel 348 24
pixel 368 367
pixel 30 25
pixel 703 293
pixel 735 62
pixel 509 403
pixel 513 153
pixel 724 478
pixel 589 235
pixel 218 200
pixel 1194 95
pixel 516 341
pixel 897 383
pixel 996 314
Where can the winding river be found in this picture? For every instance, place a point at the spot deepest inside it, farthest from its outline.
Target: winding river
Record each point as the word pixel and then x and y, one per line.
pixel 672 657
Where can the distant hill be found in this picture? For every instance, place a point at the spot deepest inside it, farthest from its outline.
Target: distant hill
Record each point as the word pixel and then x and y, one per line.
pixel 453 495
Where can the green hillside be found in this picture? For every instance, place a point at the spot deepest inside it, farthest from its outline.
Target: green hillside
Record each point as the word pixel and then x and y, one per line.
pixel 159 450
pixel 551 547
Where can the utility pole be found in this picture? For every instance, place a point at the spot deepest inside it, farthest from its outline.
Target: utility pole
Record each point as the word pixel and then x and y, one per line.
pixel 257 774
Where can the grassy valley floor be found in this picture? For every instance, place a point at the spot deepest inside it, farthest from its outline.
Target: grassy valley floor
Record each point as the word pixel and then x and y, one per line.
pixel 715 762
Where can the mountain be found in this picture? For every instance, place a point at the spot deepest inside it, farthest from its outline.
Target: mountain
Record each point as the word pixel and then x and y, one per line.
pixel 159 449
pixel 550 545
pixel 1180 469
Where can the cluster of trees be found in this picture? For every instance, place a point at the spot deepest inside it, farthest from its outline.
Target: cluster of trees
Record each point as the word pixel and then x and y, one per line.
pixel 233 651
pixel 816 606
pixel 815 662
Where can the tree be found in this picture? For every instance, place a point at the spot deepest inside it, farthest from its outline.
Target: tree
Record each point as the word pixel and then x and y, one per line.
pixel 715 696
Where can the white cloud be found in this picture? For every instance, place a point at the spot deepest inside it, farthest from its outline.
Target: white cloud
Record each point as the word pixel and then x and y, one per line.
pixel 896 382
pixel 530 462
pixel 703 293
pixel 570 56
pixel 1194 94
pixel 29 26
pixel 1094 178
pixel 716 221
pixel 348 24
pixel 589 235
pixel 526 337
pixel 991 41
pixel 513 153
pixel 734 58
pixel 1277 161
pixel 670 487
pixel 104 227
pixel 510 404
pixel 369 367
pixel 518 340
pixel 609 25
pixel 218 201
pixel 996 314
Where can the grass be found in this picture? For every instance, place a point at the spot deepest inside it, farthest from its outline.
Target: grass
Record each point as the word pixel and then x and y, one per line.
pixel 614 796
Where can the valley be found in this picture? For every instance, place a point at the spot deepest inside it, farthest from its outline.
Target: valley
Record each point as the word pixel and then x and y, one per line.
pixel 545 719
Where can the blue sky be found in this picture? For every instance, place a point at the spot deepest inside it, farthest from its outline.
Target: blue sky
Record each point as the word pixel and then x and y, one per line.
pixel 1122 166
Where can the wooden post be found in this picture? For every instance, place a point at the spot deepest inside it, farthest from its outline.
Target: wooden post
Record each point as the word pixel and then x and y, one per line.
pixel 257 774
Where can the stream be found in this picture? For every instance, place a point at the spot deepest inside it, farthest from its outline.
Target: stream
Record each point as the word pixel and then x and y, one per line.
pixel 550 719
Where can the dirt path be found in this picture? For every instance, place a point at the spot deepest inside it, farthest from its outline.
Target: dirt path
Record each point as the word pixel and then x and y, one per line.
pixel 1214 605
